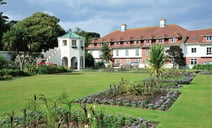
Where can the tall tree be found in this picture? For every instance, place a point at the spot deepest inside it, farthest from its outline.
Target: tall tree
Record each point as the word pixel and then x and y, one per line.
pixel 175 55
pixel 157 59
pixel 106 53
pixel 43 29
pixel 89 36
pixel 19 40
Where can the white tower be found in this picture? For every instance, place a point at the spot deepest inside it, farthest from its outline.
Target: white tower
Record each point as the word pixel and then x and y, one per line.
pixel 72 48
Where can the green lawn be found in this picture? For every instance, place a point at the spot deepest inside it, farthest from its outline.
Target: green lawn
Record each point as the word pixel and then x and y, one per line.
pixel 193 109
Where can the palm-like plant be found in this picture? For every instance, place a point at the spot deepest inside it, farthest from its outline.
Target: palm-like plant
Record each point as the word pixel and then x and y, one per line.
pixel 106 53
pixel 18 39
pixel 157 59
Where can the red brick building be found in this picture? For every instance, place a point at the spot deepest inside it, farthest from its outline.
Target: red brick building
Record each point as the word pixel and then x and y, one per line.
pixel 132 45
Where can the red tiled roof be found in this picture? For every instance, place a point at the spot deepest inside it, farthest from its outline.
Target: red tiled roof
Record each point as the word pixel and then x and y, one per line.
pixel 154 32
pixel 197 36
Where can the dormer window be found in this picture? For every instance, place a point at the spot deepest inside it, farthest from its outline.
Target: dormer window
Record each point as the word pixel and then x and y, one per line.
pixel 160 41
pixel 209 38
pixel 147 41
pixel 173 40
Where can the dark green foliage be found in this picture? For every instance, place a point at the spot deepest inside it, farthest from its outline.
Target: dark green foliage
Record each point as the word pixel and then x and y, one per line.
pixel 48 69
pixel 203 66
pixel 99 65
pixel 106 53
pixel 89 36
pixel 175 55
pixel 156 59
pixel 43 28
pixel 89 60
pixel 3 62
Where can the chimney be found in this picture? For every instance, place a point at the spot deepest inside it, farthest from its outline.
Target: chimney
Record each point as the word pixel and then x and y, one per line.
pixel 123 27
pixel 162 23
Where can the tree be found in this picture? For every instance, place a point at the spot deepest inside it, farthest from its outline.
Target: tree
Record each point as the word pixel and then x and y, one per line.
pixel 89 36
pixel 175 55
pixel 157 59
pixel 106 53
pixel 44 29
pixel 19 40
pixel 89 60
pixel 3 62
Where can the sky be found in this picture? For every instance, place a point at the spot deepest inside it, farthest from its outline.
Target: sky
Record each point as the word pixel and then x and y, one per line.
pixel 105 16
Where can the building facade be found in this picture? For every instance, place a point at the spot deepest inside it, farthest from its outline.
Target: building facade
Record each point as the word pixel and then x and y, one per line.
pixel 69 53
pixel 133 45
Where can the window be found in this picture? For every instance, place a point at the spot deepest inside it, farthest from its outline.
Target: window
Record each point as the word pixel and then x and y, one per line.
pixel 117 52
pixel 147 41
pixel 117 43
pixel 147 52
pixel 81 43
pixel 193 50
pixel 209 51
pixel 118 61
pixel 160 41
pixel 137 42
pixel 208 38
pixel 173 39
pixel 126 43
pixel 74 43
pixel 138 60
pixel 193 61
pixel 64 42
pixel 127 61
pixel 136 52
pixel 126 52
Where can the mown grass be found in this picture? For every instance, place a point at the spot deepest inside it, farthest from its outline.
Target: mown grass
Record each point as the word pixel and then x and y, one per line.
pixel 14 93
pixel 193 109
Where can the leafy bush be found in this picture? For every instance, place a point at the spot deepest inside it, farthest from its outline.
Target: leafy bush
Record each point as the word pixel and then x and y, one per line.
pixel 100 65
pixel 3 62
pixel 14 72
pixel 203 67
pixel 46 69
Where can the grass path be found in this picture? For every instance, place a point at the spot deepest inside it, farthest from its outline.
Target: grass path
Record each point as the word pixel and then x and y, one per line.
pixel 193 109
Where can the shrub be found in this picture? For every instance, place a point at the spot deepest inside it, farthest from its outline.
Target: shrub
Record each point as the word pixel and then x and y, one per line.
pixel 46 69
pixel 99 65
pixel 3 62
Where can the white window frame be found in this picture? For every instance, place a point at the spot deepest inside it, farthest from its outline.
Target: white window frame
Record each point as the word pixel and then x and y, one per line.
pixel 174 40
pixel 193 61
pixel 65 42
pixel 137 52
pixel 209 51
pixel 209 38
pixel 138 60
pixel 193 50
pixel 147 41
pixel 118 61
pixel 147 51
pixel 160 40
pixel 117 52
pixel 127 61
pixel 74 43
pixel 126 52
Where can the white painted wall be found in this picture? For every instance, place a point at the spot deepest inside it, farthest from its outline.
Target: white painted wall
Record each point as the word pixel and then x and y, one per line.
pixel 201 50
pixel 131 53
pixel 95 53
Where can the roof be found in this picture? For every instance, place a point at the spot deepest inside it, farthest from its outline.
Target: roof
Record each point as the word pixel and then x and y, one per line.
pixel 71 35
pixel 197 36
pixel 155 32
